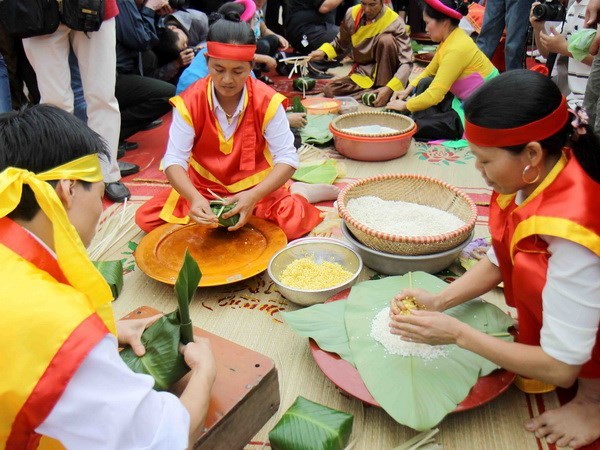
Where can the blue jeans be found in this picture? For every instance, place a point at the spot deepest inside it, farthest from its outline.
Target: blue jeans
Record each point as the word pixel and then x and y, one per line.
pixel 79 104
pixel 5 101
pixel 514 15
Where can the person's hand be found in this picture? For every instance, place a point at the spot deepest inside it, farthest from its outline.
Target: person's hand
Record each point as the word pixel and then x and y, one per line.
pixel 400 95
pixel 316 55
pixel 554 42
pixel 297 120
pixel 427 327
pixel 129 332
pixel 532 20
pixel 198 356
pixel 156 5
pixel 592 16
pixel 245 202
pixel 283 43
pixel 397 105
pixel 384 94
pixel 271 63
pixel 186 57
pixel 201 213
pixel 165 10
pixel 423 298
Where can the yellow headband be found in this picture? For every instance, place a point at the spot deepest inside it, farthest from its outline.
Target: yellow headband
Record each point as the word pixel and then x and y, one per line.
pixel 70 252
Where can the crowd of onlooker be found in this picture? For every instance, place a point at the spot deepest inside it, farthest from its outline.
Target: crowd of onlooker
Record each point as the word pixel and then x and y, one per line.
pixel 119 79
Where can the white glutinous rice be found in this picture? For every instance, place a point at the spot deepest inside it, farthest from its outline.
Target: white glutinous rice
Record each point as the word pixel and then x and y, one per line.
pixel 402 218
pixel 380 331
pixel 370 129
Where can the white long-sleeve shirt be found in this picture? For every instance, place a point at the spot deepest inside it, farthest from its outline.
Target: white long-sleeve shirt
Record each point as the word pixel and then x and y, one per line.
pixel 278 135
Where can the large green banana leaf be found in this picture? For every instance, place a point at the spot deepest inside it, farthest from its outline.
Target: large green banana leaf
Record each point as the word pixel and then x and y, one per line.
pixel 307 426
pixel 415 392
pixel 162 359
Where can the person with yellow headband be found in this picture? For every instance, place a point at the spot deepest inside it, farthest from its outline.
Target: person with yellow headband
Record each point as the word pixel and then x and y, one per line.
pixel 456 70
pixel 230 137
pixel 62 382
pixel 543 164
pixel 377 40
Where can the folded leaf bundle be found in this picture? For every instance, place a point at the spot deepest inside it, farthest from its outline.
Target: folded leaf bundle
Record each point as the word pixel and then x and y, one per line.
pixel 308 425
pixel 162 359
pixel 112 271
pixel 369 98
pixel 218 208
pixel 304 84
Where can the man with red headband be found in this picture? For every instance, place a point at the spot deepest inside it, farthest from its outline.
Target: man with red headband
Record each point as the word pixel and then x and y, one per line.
pixel 230 137
pixel 376 38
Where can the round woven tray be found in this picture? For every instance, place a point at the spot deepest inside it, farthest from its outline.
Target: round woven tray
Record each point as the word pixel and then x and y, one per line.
pixel 414 189
pixel 398 122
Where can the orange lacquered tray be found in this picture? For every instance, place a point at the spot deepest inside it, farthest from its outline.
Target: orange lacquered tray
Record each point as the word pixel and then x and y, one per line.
pixel 223 256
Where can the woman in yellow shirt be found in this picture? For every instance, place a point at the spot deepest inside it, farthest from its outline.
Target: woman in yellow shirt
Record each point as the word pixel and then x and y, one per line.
pixel 456 70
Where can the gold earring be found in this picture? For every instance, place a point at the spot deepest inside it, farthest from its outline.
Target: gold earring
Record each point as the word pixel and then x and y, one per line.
pixel 527 169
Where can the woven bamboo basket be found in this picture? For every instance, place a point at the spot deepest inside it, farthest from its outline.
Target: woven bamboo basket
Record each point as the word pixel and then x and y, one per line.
pixel 414 189
pixel 402 124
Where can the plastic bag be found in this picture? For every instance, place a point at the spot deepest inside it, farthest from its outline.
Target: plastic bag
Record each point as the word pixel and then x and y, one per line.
pixel 579 43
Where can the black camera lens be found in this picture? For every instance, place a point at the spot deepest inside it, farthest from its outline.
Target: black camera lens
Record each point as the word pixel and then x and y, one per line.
pixel 551 11
pixel 178 4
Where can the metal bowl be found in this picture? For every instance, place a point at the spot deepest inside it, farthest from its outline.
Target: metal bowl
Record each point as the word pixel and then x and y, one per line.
pixel 322 249
pixel 390 264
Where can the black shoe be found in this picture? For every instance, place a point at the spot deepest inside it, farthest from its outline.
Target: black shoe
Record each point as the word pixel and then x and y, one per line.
pixel 153 124
pixel 318 74
pixel 116 192
pixel 127 168
pixel 125 146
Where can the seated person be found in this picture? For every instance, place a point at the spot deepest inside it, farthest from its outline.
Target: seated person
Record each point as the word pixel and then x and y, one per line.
pixel 64 380
pixel 181 35
pixel 456 70
pixel 310 23
pixel 230 136
pixel 142 98
pixel 550 41
pixel 375 37
pixel 267 42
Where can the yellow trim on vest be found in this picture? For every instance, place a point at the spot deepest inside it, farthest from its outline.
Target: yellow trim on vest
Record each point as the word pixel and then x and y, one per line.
pixel 274 103
pixel 47 443
pixel 166 213
pixel 395 84
pixel 238 186
pixel 329 50
pixel 372 29
pixel 557 227
pixel 179 105
pixel 503 200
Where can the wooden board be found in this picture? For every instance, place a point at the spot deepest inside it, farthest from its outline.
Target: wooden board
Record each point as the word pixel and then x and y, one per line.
pixel 245 394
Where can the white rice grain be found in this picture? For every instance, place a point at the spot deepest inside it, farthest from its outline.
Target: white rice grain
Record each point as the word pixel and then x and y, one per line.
pixel 402 218
pixel 369 129
pixel 394 345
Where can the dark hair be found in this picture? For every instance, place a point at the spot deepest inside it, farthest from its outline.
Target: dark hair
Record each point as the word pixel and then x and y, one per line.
pixel 457 5
pixel 225 26
pixel 167 49
pixel 519 97
pixel 40 138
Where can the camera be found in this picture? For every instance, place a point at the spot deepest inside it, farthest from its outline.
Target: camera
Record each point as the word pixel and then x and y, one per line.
pixel 178 4
pixel 551 10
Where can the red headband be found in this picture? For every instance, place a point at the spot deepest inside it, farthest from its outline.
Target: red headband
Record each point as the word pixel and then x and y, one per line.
pixel 507 137
pixel 440 7
pixel 234 52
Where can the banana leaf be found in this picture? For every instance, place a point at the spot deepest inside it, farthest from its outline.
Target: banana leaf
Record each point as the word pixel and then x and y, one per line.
pixel 219 209
pixel 162 359
pixel 316 130
pixel 308 425
pixel 416 392
pixel 297 106
pixel 112 271
pixel 324 172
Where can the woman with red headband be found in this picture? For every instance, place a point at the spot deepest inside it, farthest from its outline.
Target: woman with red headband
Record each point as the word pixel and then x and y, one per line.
pixel 230 136
pixel 543 164
pixel 456 70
